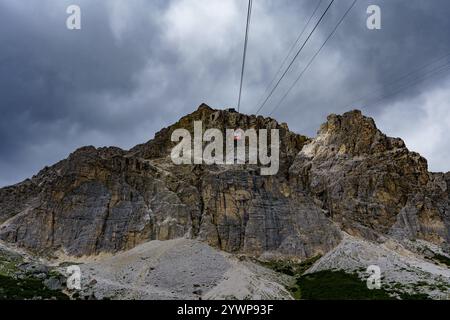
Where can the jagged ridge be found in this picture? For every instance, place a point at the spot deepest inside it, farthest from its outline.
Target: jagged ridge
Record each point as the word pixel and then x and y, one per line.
pixel 350 177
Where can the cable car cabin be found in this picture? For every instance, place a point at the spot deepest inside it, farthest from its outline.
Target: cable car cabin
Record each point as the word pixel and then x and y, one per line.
pixel 238 134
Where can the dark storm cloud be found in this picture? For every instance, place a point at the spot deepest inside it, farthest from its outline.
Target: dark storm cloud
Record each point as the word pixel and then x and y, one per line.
pixel 138 65
pixel 50 80
pixel 413 33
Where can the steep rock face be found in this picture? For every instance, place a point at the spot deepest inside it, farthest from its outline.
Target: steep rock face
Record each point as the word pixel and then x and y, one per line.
pixel 96 200
pixel 256 214
pixel 240 210
pixel 350 176
pixel 15 199
pixel 109 200
pixel 372 185
pixel 426 214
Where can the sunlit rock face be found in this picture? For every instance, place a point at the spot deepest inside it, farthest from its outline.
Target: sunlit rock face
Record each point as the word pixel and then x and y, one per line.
pixel 351 177
pixel 372 185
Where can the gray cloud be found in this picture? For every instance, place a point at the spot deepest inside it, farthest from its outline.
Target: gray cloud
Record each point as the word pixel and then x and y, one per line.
pixel 138 65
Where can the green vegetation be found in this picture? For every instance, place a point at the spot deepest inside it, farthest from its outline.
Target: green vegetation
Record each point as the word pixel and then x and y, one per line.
pixel 442 259
pixel 335 285
pixel 415 296
pixel 8 264
pixel 324 285
pixel 27 288
pixel 339 285
pixel 18 285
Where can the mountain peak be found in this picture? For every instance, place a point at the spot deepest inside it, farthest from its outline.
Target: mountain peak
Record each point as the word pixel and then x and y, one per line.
pixel 204 107
pixel 356 134
pixel 222 119
pixel 350 178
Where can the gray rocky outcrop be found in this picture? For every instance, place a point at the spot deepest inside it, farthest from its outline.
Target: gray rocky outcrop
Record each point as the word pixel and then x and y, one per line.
pixel 350 177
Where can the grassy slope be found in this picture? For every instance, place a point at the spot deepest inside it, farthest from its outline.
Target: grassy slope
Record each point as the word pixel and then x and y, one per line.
pixel 331 285
pixel 13 287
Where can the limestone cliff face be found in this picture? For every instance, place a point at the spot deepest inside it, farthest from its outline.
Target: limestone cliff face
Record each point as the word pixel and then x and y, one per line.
pixel 96 200
pixel 372 185
pixel 351 177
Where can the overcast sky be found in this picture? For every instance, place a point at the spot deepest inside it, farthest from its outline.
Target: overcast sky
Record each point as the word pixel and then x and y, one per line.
pixel 139 65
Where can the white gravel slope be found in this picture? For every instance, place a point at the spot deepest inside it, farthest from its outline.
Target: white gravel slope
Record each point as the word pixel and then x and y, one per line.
pixel 178 269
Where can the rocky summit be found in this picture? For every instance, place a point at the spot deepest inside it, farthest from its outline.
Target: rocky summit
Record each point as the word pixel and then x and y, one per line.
pixel 351 177
pixel 349 182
